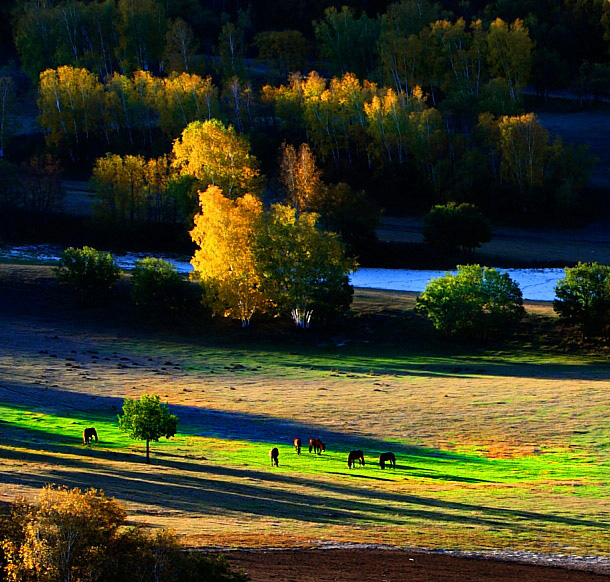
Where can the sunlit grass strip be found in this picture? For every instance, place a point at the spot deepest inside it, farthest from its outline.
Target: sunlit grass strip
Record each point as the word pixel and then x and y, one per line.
pixel 466 467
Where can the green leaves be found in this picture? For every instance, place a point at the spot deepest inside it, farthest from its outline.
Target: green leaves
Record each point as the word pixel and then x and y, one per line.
pixel 456 226
pixel 583 297
pixel 476 302
pixel 87 270
pixel 301 268
pixel 147 419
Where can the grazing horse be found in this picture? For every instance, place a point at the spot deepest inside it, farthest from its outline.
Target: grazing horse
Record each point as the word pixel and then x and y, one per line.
pixel 353 457
pixel 389 458
pixel 297 445
pixel 88 435
pixel 317 445
pixel 274 454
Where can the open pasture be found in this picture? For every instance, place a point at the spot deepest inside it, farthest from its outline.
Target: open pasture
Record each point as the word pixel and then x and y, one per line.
pixel 496 448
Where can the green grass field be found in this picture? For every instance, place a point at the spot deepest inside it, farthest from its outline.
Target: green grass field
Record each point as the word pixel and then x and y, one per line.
pixel 502 446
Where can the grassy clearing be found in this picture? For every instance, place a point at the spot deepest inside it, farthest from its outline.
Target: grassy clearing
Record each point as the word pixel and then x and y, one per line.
pixel 502 447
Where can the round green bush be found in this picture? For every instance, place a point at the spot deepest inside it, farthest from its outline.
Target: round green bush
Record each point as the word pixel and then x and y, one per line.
pixel 89 271
pixel 456 226
pixel 476 302
pixel 157 286
pixel 582 297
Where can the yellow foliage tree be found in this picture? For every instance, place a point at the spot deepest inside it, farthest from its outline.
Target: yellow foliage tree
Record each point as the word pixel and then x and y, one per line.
pixel 224 231
pixel 524 144
pixel 185 98
pixel 120 185
pixel 216 155
pixel 66 537
pixel 70 104
pixel 301 178
pixel 510 54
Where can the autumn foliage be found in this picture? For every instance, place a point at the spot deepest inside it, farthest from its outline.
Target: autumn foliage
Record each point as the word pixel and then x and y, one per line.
pixel 252 260
pixel 70 535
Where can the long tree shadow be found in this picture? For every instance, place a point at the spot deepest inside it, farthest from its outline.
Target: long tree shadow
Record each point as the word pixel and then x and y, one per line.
pixel 221 424
pixel 207 488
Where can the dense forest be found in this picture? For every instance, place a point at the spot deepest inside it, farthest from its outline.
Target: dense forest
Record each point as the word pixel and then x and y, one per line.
pixel 393 106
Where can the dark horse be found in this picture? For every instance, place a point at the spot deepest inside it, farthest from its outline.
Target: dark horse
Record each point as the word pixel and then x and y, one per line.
pixel 88 435
pixel 297 446
pixel 274 454
pixel 389 458
pixel 353 457
pixel 317 445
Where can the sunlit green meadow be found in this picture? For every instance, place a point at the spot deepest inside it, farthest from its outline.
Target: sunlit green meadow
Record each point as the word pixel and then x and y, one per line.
pixel 496 448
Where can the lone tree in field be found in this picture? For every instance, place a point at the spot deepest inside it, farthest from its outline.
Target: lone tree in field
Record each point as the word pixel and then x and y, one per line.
pixel 147 419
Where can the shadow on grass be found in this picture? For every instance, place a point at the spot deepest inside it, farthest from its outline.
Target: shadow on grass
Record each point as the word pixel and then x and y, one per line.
pixel 205 490
pixel 211 423
pixel 210 356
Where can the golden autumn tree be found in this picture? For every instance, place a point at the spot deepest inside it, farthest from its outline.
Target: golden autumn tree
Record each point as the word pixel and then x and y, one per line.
pixel 217 155
pixel 301 177
pixel 70 105
pixel 183 99
pixel 524 144
pixel 120 187
pixel 69 535
pixel 224 231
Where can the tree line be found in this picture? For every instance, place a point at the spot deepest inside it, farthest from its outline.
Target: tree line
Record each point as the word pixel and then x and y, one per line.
pixel 377 40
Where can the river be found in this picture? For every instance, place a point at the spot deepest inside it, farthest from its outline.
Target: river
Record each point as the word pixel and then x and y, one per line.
pixel 536 284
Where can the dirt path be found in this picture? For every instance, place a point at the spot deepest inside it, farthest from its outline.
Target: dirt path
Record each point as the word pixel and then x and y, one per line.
pixel 389 565
pixel 544 247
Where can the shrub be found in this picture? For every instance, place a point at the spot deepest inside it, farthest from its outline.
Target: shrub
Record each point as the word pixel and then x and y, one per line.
pixel 88 271
pixel 80 535
pixel 583 297
pixel 158 286
pixel 456 226
pixel 476 302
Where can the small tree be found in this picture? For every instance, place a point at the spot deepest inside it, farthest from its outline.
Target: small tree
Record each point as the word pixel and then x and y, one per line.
pixel 475 302
pixel 583 297
pixel 147 419
pixel 87 270
pixel 456 226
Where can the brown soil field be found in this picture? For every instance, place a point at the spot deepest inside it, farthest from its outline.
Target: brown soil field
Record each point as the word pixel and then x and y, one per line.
pixel 391 565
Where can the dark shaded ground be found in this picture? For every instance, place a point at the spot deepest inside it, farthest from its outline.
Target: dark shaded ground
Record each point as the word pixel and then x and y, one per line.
pixel 380 565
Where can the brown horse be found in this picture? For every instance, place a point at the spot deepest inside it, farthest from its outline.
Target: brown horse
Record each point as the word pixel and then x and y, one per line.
pixel 274 454
pixel 297 445
pixel 353 457
pixel 389 458
pixel 317 445
pixel 88 435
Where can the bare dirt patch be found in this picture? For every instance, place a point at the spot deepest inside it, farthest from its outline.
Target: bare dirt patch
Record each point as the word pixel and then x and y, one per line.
pixel 519 246
pixel 392 565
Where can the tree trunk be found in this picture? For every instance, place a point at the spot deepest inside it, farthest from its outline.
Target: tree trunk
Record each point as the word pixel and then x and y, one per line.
pixel 147 451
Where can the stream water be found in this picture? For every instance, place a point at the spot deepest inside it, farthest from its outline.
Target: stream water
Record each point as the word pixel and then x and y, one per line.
pixel 536 284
